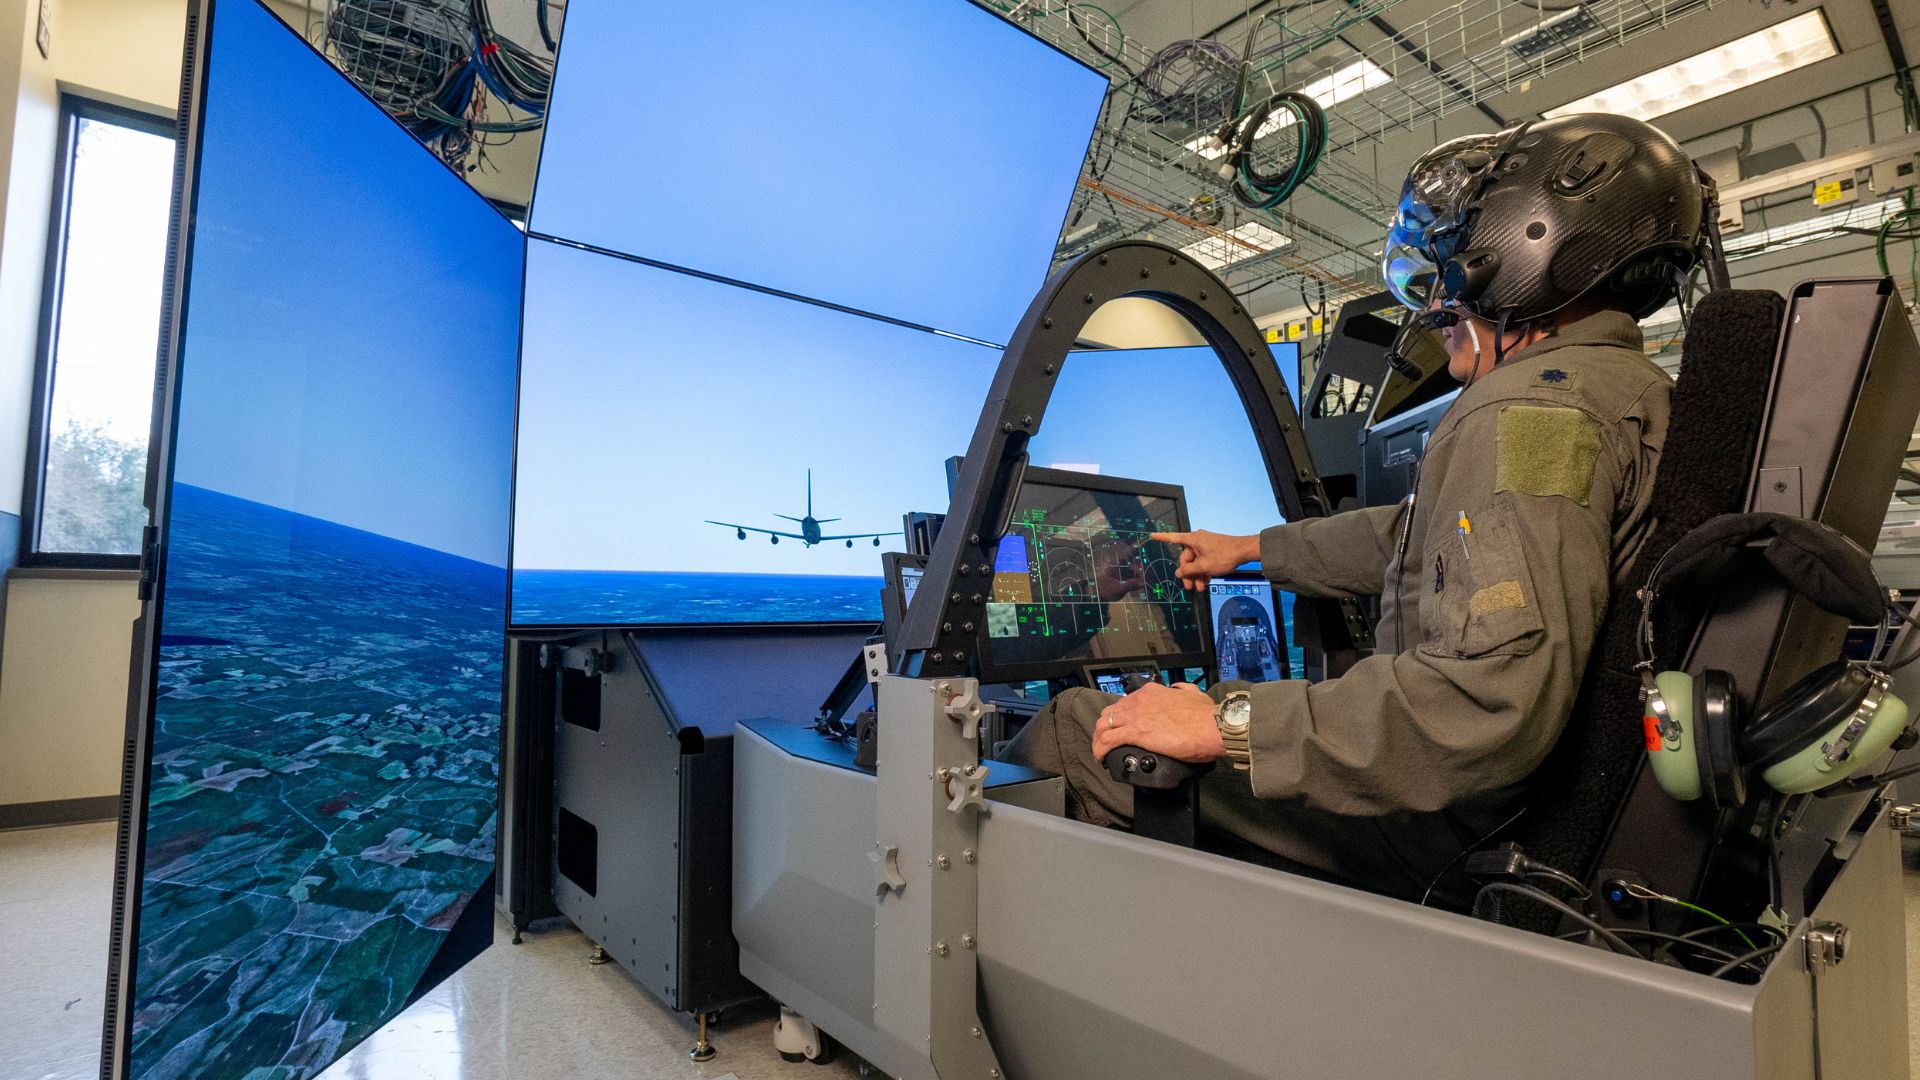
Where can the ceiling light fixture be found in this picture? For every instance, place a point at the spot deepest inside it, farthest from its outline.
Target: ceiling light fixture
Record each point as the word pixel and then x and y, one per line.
pixel 1237 245
pixel 1343 85
pixel 1742 62
pixel 1557 31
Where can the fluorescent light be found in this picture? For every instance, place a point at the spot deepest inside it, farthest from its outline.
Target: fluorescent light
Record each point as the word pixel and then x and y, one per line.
pixel 1216 253
pixel 1739 63
pixel 1557 31
pixel 1343 85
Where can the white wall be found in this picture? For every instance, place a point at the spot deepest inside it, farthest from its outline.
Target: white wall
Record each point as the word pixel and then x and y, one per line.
pixel 63 661
pixel 30 105
pixel 63 700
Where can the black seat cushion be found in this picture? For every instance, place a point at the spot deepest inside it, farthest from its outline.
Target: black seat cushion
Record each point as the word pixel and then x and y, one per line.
pixel 1719 401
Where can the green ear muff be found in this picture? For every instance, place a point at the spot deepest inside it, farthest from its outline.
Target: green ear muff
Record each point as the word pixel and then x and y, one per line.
pixel 1856 740
pixel 1670 746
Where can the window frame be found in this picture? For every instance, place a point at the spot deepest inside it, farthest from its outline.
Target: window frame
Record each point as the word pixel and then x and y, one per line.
pixel 73 109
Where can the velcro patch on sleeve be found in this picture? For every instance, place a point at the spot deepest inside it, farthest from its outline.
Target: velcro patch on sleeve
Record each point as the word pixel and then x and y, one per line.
pixel 1497 597
pixel 1547 450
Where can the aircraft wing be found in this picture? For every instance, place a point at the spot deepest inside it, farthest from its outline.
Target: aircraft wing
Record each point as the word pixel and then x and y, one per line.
pixel 765 532
pixel 860 536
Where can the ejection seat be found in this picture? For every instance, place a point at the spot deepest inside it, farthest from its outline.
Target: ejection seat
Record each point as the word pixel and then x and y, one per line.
pixel 1719 402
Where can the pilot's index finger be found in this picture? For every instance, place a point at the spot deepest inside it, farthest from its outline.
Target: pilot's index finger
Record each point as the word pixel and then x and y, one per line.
pixel 1170 537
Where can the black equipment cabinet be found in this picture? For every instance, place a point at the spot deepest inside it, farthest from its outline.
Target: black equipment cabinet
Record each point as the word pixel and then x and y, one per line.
pixel 617 807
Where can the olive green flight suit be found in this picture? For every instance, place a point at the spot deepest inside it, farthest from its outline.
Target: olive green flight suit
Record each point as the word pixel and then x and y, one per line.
pixel 1385 774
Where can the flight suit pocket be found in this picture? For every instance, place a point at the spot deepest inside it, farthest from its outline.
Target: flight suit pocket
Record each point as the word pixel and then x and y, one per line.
pixel 1479 598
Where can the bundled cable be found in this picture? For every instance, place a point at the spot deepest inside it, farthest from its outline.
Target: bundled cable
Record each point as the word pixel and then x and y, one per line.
pixel 1259 188
pixel 514 74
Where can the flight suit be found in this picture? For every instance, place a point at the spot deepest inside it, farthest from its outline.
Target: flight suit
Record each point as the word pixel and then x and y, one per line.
pixel 1385 774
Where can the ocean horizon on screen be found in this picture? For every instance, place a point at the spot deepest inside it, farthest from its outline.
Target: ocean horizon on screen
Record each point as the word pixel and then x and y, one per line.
pixel 624 597
pixel 322 791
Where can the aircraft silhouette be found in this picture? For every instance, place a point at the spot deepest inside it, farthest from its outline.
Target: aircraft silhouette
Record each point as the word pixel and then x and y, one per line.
pixel 809 533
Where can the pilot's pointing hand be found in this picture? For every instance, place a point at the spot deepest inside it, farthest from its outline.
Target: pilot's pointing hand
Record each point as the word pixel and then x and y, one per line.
pixel 1207 555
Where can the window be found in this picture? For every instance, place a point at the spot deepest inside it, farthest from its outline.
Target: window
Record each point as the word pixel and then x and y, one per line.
pixel 99 337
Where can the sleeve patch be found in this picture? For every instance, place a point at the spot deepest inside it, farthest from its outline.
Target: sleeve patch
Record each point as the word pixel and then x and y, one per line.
pixel 1547 450
pixel 1497 597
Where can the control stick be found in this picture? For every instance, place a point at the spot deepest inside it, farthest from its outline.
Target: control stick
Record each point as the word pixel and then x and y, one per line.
pixel 1166 791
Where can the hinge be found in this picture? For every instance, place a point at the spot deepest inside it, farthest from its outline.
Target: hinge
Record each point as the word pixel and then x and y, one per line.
pixel 149 560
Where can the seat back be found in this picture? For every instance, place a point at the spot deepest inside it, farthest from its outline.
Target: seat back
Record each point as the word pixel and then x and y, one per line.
pixel 1719 402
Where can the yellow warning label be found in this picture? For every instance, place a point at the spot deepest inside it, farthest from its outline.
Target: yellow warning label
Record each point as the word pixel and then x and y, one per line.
pixel 1273 335
pixel 1296 331
pixel 1832 191
pixel 1319 325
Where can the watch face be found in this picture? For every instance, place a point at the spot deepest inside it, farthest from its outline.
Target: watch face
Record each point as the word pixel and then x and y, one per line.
pixel 1235 716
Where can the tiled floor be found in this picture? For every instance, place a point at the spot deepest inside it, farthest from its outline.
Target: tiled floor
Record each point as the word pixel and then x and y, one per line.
pixel 528 1012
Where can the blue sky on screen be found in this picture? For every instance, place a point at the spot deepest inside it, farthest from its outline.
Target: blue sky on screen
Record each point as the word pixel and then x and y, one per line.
pixel 914 160
pixel 1167 415
pixel 655 400
pixel 352 324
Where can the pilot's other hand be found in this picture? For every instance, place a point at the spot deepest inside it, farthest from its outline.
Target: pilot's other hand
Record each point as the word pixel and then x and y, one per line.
pixel 1206 555
pixel 1173 720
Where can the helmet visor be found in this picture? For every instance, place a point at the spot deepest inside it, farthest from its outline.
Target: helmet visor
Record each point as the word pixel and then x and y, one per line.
pixel 1425 231
pixel 1409 274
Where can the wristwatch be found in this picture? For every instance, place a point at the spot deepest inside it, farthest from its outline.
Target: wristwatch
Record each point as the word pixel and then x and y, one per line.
pixel 1234 717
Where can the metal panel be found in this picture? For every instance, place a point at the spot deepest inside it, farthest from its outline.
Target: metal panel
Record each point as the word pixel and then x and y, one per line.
pixel 803 893
pixel 1862 1013
pixel 803 888
pixel 613 778
pixel 1099 959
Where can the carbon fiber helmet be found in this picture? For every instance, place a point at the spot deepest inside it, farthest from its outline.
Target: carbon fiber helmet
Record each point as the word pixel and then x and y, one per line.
pixel 1515 225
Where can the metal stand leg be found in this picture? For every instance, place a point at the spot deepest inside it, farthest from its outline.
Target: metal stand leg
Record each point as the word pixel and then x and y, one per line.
pixel 599 956
pixel 702 1050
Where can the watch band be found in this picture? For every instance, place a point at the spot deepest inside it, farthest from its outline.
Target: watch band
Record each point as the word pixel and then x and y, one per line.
pixel 1239 750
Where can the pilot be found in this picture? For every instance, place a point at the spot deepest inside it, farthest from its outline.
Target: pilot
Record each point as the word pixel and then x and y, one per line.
pixel 1534 252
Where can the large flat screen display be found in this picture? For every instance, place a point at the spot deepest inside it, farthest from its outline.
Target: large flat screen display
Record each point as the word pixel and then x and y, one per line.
pixel 693 452
pixel 325 722
pixel 914 160
pixel 696 452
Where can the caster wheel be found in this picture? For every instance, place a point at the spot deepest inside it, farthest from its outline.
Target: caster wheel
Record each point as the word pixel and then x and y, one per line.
pixel 797 1040
pixel 823 1050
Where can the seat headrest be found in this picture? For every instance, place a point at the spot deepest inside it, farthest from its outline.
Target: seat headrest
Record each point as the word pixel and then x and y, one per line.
pixel 1816 560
